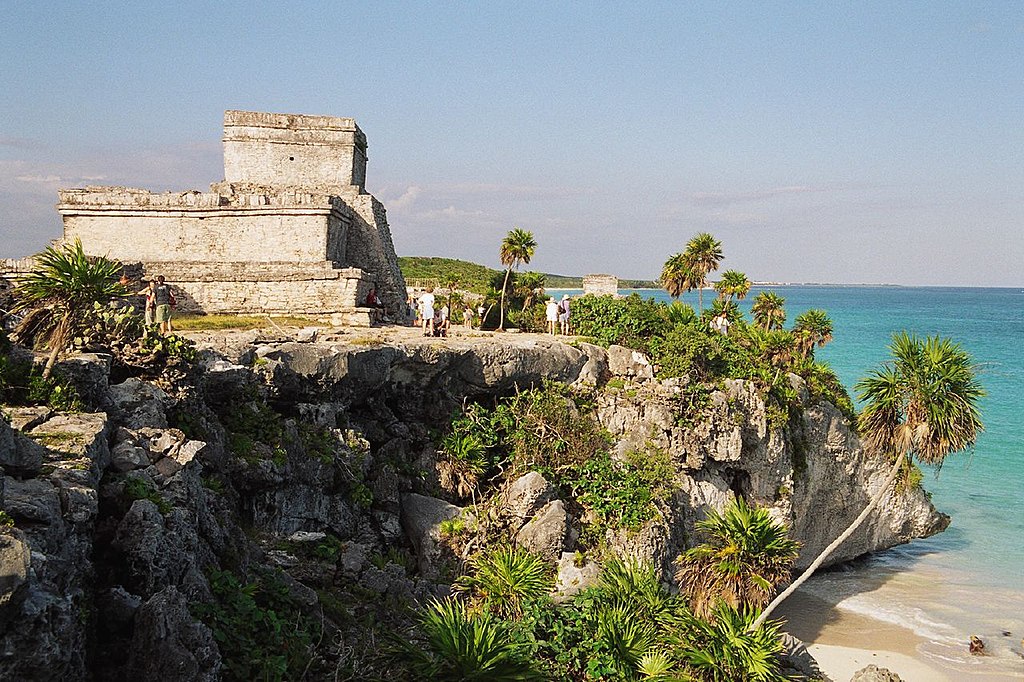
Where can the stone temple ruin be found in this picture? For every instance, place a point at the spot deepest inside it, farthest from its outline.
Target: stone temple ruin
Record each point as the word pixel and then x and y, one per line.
pixel 290 229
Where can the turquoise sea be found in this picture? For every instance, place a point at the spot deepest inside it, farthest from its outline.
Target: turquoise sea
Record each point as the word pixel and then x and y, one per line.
pixel 970 578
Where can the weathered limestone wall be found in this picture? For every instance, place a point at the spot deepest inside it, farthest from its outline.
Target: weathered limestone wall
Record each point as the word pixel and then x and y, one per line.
pixel 276 288
pixel 370 246
pixel 293 149
pixel 160 227
pixel 601 285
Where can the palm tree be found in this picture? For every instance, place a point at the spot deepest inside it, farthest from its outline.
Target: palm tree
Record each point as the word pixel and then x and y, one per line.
pixel 924 405
pixel 532 284
pixel 733 283
pixel 517 247
pixel 60 293
pixel 768 310
pixel 747 555
pixel 676 276
pixel 702 256
pixel 813 328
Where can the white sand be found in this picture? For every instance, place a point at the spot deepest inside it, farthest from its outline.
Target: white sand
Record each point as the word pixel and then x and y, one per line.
pixel 841 662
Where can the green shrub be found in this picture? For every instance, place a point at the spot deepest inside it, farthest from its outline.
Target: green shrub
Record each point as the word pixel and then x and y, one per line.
pixel 633 321
pixel 722 648
pixel 262 633
pixel 503 580
pixel 459 646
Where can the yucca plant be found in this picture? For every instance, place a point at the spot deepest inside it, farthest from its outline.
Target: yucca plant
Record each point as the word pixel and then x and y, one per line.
pixel 465 459
pixel 636 585
pixel 59 294
pixel 746 556
pixel 626 637
pixel 503 580
pixel 724 648
pixel 658 666
pixel 460 646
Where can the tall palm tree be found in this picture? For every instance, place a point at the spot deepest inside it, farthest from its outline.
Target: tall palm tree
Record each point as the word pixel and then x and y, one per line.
pixel 676 276
pixel 532 285
pixel 733 283
pixel 924 405
pixel 517 247
pixel 747 555
pixel 59 293
pixel 702 256
pixel 769 311
pixel 812 328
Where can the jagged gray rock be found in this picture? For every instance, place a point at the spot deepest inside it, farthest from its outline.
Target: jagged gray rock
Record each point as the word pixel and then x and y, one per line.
pixel 873 673
pixel 525 496
pixel 168 645
pixel 421 519
pixel 546 533
pixel 574 576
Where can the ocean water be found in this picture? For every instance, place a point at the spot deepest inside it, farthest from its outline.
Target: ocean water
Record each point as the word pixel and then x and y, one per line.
pixel 968 580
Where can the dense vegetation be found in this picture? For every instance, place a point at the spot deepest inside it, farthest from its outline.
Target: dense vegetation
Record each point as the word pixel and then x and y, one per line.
pixel 479 278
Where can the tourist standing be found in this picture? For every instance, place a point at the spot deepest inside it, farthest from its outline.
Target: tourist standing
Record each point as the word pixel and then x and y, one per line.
pixel 563 314
pixel 467 317
pixel 164 301
pixel 148 292
pixel 427 311
pixel 551 310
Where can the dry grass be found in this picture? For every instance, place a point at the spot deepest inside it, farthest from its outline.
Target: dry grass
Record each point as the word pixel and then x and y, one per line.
pixel 242 322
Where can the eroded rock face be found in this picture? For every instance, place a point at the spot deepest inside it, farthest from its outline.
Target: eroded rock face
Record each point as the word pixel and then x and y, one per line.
pixel 120 520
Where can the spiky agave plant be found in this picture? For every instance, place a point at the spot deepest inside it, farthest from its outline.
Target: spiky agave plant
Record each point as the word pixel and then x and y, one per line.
pixel 459 646
pixel 746 556
pixel 724 648
pixel 503 580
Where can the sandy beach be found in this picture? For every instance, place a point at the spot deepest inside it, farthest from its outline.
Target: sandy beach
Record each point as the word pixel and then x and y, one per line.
pixel 844 642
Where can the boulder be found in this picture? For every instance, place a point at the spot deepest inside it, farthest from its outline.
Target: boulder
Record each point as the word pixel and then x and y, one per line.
pixel 873 673
pixel 15 563
pixel 525 496
pixel 573 578
pixel 136 404
pixel 629 364
pixel 168 645
pixel 19 455
pixel 421 520
pixel 89 374
pixel 545 534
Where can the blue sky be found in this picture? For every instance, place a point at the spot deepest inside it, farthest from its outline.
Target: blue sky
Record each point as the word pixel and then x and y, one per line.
pixel 831 142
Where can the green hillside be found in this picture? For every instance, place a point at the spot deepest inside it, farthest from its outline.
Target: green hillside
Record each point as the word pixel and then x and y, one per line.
pixel 476 278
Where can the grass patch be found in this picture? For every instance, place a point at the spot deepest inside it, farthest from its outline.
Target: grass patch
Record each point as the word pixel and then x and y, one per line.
pixel 193 322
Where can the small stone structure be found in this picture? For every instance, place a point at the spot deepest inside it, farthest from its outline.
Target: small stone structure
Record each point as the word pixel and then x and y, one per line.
pixel 601 285
pixel 290 229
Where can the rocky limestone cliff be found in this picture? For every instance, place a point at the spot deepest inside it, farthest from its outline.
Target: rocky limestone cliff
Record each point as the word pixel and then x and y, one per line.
pixel 125 520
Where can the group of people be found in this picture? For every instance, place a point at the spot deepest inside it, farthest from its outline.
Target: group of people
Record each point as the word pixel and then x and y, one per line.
pixel 557 313
pixel 434 321
pixel 160 301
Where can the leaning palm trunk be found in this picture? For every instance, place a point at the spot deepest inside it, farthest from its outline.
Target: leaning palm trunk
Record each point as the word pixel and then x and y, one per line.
pixel 504 286
pixel 827 552
pixel 58 341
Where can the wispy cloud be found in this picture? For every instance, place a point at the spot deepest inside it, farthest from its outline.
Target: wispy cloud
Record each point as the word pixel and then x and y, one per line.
pixel 407 199
pixel 723 198
pixel 23 143
pixel 516 191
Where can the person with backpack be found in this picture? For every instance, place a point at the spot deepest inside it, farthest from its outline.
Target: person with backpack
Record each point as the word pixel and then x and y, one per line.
pixel 164 301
